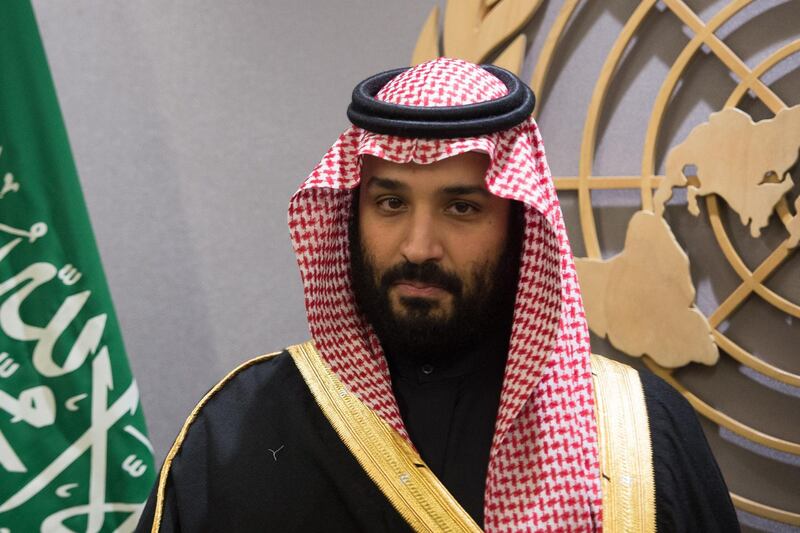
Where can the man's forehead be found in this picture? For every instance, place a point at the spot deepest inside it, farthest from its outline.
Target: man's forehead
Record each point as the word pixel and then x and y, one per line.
pixel 463 170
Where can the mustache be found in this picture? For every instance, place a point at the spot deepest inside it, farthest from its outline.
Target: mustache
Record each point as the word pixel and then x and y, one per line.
pixel 428 273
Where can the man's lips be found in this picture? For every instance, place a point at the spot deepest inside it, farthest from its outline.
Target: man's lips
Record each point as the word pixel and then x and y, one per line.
pixel 417 289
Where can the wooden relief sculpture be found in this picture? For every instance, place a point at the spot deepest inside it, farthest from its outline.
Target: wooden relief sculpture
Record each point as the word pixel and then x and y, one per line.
pixel 474 29
pixel 745 163
pixel 643 299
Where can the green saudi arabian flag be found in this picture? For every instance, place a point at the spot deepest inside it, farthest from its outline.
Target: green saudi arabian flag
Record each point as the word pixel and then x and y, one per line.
pixel 74 453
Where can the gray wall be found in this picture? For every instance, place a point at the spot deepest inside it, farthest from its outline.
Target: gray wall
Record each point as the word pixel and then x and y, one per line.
pixel 193 122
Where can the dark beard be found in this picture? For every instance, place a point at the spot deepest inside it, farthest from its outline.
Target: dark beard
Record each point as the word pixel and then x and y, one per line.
pixel 482 309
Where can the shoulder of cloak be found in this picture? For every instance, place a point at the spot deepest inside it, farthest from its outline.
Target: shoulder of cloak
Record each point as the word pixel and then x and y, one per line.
pixel 239 397
pixel 691 494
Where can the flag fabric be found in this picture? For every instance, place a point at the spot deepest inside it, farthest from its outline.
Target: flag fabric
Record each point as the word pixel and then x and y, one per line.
pixel 74 453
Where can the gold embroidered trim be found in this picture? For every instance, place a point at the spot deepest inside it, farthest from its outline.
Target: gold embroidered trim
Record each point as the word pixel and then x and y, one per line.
pixel 162 478
pixel 626 458
pixel 392 464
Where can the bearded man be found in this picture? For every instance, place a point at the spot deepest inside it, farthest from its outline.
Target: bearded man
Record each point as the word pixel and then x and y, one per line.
pixel 449 384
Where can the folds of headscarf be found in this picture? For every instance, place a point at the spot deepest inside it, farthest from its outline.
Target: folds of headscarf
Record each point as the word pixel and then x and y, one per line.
pixel 543 469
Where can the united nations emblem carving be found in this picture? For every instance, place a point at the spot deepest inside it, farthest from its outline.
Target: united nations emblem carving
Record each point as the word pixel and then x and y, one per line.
pixel 731 177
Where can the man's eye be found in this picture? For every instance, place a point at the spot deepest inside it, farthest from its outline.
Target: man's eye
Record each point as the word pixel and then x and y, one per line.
pixel 391 203
pixel 462 208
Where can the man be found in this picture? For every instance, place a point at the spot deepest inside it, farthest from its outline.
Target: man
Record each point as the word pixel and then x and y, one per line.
pixel 449 384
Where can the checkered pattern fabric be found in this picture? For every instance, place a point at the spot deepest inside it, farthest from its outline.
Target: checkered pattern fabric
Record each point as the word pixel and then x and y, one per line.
pixel 544 472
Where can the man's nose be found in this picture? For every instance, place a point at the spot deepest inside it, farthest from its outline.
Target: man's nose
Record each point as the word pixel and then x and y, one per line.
pixel 422 242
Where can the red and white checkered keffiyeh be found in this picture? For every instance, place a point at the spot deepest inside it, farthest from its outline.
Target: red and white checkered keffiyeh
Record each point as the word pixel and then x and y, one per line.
pixel 544 471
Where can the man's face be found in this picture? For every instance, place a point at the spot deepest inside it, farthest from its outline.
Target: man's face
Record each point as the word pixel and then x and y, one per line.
pixel 433 249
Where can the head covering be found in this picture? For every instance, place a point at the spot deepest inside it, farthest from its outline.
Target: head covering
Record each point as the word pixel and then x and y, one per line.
pixel 543 472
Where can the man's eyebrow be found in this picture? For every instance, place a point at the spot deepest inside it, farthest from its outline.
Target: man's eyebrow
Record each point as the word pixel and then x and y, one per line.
pixel 386 183
pixel 464 190
pixel 453 190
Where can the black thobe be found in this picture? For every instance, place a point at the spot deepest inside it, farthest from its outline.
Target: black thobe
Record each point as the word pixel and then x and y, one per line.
pixel 261 456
